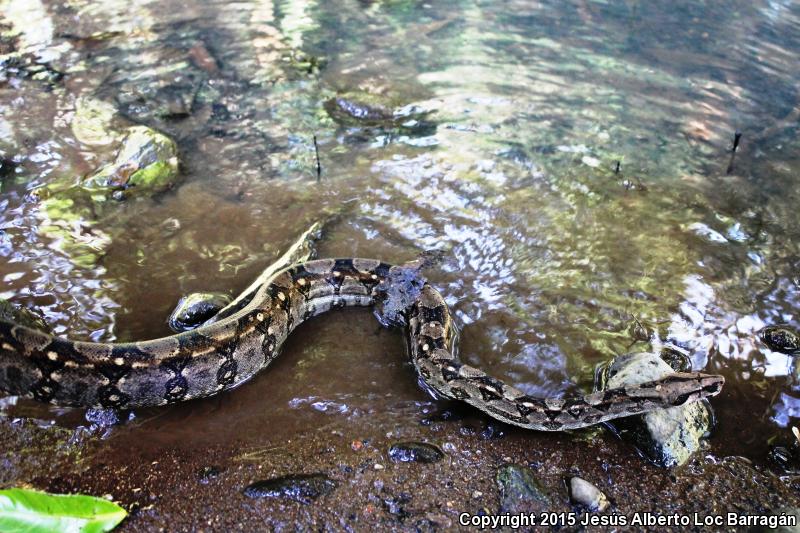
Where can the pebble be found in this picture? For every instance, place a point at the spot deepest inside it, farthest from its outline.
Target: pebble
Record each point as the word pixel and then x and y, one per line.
pixel 208 474
pixel 420 452
pixel 584 493
pixel 303 488
pixel 781 338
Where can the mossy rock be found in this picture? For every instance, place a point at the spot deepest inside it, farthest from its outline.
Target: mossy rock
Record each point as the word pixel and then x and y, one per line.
pixel 147 161
pixel 22 316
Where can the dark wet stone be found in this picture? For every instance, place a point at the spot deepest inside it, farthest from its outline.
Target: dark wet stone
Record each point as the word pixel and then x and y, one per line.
pixel 369 110
pixel 668 437
pixel 420 452
pixel 583 493
pixel 151 101
pixel 520 491
pixel 195 308
pixel 303 488
pixel 787 458
pixel 104 418
pixel 305 63
pixel 22 316
pixel 678 361
pixel 219 112
pixel 366 109
pixel 174 101
pixel 7 167
pixel 492 431
pixel 638 331
pixel 207 474
pixel 396 505
pixel 8 41
pixel 467 431
pixel 781 338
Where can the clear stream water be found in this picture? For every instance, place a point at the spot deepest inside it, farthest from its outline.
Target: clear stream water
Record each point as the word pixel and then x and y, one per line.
pixel 554 262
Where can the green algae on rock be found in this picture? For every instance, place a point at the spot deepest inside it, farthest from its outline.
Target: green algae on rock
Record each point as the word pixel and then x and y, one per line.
pixel 22 316
pixel 520 491
pixel 147 161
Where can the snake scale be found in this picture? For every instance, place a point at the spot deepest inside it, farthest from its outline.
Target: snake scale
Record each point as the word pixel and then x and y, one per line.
pixel 224 353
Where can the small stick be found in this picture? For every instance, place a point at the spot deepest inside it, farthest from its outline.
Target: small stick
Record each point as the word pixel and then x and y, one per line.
pixel 319 165
pixel 736 138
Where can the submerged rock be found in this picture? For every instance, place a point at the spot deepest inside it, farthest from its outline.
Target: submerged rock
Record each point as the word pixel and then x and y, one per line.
pixel 208 473
pixel 22 316
pixel 8 167
pixel 677 360
pixel 303 488
pixel 92 122
pixel 303 62
pixel 520 491
pixel 105 418
pixel 147 161
pixel 366 109
pixel 670 436
pixel 420 452
pixel 195 308
pixel 359 108
pixel 175 100
pixel 781 338
pixel 587 495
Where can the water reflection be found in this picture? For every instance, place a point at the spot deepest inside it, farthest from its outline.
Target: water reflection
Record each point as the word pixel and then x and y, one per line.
pixel 572 165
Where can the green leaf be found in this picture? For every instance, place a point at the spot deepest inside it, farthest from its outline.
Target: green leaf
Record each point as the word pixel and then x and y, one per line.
pixel 30 511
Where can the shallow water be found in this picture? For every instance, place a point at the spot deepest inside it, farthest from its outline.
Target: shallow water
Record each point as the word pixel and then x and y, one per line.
pixel 555 262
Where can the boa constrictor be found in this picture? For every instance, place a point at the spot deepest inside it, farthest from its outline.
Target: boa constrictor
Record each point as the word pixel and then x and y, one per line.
pixel 225 353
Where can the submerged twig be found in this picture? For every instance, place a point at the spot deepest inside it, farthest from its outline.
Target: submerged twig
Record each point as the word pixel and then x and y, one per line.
pixel 736 138
pixel 319 166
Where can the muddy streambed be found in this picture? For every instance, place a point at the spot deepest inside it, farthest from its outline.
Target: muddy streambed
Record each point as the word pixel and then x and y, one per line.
pixel 571 159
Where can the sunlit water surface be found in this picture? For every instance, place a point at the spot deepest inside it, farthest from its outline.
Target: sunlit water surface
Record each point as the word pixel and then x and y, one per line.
pixel 555 262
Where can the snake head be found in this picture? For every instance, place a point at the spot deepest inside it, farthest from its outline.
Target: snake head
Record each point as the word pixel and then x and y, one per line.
pixel 684 387
pixel 398 292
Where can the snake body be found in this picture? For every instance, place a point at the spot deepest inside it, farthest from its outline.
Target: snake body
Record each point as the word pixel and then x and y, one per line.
pixel 223 354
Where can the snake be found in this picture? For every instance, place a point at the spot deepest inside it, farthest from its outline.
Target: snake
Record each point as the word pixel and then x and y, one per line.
pixel 233 346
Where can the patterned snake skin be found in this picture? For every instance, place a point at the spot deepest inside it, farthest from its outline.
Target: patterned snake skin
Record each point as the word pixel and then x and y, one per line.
pixel 223 354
